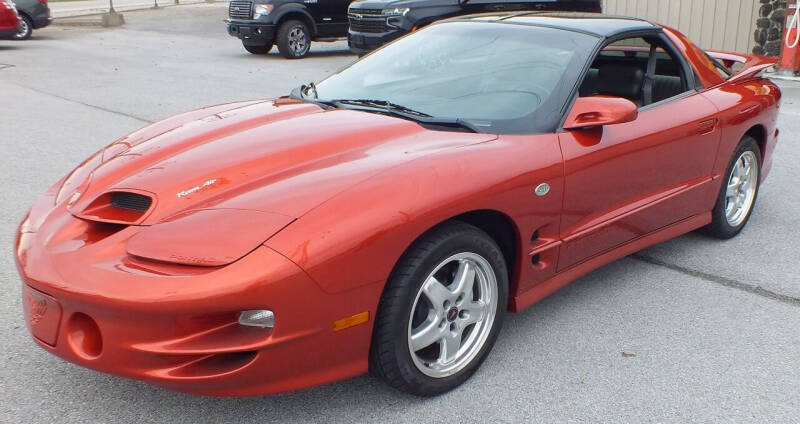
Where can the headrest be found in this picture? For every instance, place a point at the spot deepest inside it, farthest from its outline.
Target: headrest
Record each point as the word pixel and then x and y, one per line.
pixel 621 80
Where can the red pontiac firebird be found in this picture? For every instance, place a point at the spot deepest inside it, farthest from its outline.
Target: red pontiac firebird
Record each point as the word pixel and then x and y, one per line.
pixel 9 20
pixel 387 218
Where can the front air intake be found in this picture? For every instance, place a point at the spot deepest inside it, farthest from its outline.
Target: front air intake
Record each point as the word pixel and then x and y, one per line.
pixel 119 207
pixel 131 201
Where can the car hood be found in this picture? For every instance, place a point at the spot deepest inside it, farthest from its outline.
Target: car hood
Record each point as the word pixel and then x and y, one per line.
pixel 280 157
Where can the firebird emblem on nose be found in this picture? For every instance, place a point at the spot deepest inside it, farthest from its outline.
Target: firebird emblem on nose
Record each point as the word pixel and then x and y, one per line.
pixel 36 309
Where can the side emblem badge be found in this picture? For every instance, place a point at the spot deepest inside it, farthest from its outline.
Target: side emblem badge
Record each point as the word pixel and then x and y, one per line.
pixel 542 189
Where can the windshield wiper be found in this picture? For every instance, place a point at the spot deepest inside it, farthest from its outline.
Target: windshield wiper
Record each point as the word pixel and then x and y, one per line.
pixel 383 104
pixel 299 93
pixel 400 111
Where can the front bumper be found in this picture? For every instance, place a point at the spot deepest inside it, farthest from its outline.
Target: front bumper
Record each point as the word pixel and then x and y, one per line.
pixel 40 15
pixel 362 43
pixel 42 21
pixel 7 34
pixel 175 326
pixel 251 32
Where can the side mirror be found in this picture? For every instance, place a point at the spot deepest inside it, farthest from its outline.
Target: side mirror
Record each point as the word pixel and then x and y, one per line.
pixel 596 111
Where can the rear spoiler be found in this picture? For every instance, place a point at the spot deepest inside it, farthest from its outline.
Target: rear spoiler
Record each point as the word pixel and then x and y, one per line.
pixel 751 65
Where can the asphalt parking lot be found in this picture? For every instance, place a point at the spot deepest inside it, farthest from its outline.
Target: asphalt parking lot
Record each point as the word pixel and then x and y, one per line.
pixel 710 330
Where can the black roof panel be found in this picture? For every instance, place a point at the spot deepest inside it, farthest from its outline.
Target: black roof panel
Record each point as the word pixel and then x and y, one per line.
pixel 592 23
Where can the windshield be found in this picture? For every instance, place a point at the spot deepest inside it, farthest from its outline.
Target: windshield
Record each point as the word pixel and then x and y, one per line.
pixel 500 78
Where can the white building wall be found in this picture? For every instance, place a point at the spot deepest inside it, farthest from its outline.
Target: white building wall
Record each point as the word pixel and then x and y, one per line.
pixel 712 24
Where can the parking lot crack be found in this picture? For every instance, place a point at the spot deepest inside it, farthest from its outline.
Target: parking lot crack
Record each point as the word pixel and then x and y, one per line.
pixel 723 281
pixel 104 109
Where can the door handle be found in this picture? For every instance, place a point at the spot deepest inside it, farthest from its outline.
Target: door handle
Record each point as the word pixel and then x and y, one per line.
pixel 707 126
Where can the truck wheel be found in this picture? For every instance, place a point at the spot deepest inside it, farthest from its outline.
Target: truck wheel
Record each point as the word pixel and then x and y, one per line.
pixel 294 39
pixel 258 48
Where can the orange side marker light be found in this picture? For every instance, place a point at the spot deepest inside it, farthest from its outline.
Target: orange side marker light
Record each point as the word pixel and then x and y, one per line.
pixel 351 321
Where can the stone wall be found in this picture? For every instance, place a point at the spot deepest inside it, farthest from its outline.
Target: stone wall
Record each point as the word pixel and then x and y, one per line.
pixel 769 27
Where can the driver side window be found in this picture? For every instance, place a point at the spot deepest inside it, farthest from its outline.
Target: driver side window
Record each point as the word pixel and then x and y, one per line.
pixel 621 70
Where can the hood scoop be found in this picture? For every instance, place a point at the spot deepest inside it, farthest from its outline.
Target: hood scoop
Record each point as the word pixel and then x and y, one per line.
pixel 131 201
pixel 119 207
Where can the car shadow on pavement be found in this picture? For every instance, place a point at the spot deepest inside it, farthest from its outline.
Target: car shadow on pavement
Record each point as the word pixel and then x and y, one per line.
pixel 311 55
pixel 330 53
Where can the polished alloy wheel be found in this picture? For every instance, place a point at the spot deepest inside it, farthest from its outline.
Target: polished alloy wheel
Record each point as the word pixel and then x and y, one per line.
pixel 452 315
pixel 741 191
pixel 23 31
pixel 298 41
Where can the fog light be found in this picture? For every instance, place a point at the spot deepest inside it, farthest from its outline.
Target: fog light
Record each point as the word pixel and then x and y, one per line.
pixel 263 318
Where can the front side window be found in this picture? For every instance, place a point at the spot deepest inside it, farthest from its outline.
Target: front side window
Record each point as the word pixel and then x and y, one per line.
pixel 621 69
pixel 501 78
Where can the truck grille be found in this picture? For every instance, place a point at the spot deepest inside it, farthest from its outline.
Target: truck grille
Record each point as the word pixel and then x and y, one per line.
pixel 240 10
pixel 367 12
pixel 368 25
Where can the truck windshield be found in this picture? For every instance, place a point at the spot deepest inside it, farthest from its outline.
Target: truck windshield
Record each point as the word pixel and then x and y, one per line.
pixel 498 77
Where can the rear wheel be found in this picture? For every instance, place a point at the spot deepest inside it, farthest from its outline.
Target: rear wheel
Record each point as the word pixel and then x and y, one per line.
pixel 441 311
pixel 294 39
pixel 738 193
pixel 25 28
pixel 258 48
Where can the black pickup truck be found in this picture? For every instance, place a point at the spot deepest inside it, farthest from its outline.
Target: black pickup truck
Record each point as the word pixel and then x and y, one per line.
pixel 374 23
pixel 291 24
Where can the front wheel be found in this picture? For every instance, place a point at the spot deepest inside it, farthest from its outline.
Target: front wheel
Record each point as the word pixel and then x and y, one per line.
pixel 294 39
pixel 441 311
pixel 25 28
pixel 258 48
pixel 738 193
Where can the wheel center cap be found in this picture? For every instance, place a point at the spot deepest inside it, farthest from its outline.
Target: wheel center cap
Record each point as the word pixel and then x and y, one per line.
pixel 452 314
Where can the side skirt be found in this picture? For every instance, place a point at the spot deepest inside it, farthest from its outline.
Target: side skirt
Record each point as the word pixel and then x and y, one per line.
pixel 547 287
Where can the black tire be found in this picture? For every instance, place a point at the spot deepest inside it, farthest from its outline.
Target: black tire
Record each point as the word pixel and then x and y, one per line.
pixel 258 48
pixel 390 356
pixel 25 28
pixel 720 226
pixel 289 44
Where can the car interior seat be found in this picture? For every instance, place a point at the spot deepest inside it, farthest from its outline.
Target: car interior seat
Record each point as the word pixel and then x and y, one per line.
pixel 621 81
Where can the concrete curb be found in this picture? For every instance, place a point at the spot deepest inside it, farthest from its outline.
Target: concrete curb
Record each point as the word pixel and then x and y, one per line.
pixel 80 13
pixel 783 77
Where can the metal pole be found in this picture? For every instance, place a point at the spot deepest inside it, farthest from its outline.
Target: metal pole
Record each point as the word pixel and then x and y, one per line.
pixel 112 18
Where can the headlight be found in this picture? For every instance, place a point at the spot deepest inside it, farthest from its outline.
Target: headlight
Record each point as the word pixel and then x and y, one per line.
pixel 397 11
pixel 229 235
pixel 260 10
